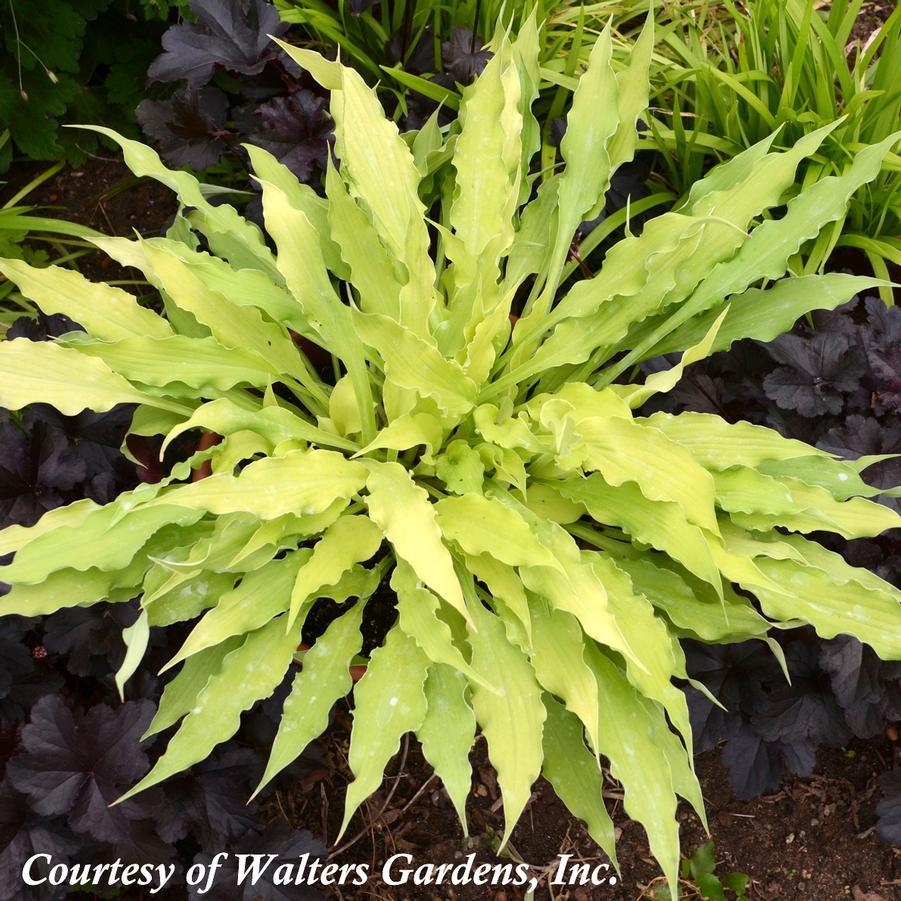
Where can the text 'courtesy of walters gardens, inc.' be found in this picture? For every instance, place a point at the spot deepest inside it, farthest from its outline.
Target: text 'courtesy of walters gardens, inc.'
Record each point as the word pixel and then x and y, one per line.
pixel 250 870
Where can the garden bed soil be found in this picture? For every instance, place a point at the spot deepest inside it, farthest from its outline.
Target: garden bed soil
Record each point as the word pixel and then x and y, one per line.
pixel 102 194
pixel 815 840
pixel 870 18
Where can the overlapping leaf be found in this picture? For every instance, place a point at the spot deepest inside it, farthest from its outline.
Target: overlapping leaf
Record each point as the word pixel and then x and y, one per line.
pixel 373 420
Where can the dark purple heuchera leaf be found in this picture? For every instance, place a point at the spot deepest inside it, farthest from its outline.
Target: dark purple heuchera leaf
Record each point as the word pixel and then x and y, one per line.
pixel 269 83
pixel 24 694
pixel 37 468
pixel 883 347
pixel 420 107
pixel 97 439
pixel 792 425
pixel 770 727
pixel 88 634
pixel 866 688
pixel 755 765
pixel 877 554
pixel 626 186
pixel 142 844
pixel 9 740
pixel 16 661
pixel 805 711
pixel 416 60
pixel 78 765
pixel 189 127
pixel 815 374
pixel 735 674
pixel 861 436
pixel 230 34
pixel 209 801
pixel 53 459
pixel 464 55
pixel 842 319
pixel 889 808
pixel 277 838
pixel 728 384
pixel 295 129
pixel 43 328
pixel 24 678
pixel 24 833
pixel 701 393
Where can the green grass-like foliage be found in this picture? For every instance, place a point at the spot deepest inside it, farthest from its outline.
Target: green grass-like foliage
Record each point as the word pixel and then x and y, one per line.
pixel 385 37
pixel 547 545
pixel 738 73
pixel 21 236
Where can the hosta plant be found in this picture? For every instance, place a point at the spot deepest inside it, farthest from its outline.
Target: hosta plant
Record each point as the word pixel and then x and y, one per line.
pixel 409 395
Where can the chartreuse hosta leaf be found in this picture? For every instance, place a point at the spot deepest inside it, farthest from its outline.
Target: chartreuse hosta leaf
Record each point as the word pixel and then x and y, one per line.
pixel 511 718
pixel 181 693
pixel 632 740
pixel 558 656
pixel 39 372
pixel 108 313
pixel 402 510
pixel 323 680
pixel 575 774
pixel 660 524
pixel 259 598
pixel 376 424
pixel 218 222
pixel 417 611
pixel 349 540
pixel 248 674
pixel 390 701
pixel 448 731
pixel 761 502
pixel 73 588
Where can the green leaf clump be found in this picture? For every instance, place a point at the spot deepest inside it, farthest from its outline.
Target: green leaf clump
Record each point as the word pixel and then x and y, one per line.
pixel 71 61
pixel 410 392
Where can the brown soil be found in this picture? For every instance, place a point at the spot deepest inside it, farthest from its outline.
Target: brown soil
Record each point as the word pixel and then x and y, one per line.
pixel 872 14
pixel 813 841
pixel 102 194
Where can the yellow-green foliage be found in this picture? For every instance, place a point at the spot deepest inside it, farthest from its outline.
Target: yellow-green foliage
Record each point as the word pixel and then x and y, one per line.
pixel 548 547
